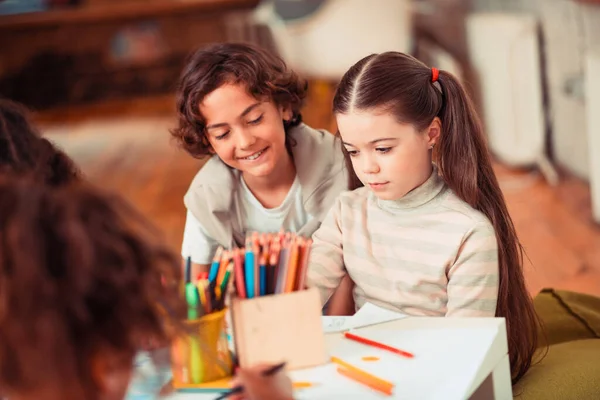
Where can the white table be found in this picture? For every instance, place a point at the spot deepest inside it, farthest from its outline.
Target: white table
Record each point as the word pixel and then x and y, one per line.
pixel 480 371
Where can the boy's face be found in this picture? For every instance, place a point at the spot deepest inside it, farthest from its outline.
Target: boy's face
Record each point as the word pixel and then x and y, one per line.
pixel 246 133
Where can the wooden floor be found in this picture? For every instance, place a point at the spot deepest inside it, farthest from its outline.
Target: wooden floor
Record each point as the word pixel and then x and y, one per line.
pixel 125 146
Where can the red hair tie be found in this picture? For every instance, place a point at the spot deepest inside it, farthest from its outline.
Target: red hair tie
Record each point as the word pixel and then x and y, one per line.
pixel 435 73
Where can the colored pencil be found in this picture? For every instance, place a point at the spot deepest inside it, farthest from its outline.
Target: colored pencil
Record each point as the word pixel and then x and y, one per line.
pixel 378 345
pixel 358 371
pixel 214 268
pixel 366 380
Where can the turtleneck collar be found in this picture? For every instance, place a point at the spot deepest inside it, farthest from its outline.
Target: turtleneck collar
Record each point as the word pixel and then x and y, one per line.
pixel 417 197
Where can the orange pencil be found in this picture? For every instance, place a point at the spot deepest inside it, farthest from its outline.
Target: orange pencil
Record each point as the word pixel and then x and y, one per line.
pixel 293 265
pixel 301 280
pixel 364 374
pixel 238 273
pixel 378 345
pixel 366 380
pixel 225 258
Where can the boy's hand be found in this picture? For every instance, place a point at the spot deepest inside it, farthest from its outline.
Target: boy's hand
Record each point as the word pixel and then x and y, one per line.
pixel 259 387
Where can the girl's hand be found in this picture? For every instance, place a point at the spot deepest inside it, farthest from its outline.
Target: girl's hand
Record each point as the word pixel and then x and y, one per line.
pixel 259 387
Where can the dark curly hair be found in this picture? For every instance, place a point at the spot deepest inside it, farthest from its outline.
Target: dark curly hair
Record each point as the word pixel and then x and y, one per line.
pixel 24 151
pixel 81 274
pixel 265 76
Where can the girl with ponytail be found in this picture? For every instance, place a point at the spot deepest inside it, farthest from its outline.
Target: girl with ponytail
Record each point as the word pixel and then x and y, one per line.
pixel 426 230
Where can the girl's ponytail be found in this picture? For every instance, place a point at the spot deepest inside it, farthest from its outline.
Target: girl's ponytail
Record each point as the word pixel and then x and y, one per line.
pixel 465 164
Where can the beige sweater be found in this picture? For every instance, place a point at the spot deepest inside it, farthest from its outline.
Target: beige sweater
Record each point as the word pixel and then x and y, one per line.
pixel 428 253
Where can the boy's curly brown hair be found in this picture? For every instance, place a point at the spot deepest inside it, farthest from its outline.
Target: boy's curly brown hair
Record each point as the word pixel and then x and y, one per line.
pixel 265 76
pixel 81 274
pixel 23 150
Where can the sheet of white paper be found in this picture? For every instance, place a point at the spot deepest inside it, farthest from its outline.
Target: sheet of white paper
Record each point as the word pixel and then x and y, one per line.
pixel 336 324
pixel 370 314
pixel 444 366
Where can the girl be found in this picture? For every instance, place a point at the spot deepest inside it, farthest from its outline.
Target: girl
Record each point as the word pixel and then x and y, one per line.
pixel 81 275
pixel 23 150
pixel 429 233
pixel 267 170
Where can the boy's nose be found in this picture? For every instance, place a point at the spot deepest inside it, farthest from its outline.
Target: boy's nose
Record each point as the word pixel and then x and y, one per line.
pixel 245 140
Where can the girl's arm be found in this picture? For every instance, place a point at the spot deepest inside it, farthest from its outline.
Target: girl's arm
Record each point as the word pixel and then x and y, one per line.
pixel 326 263
pixel 342 300
pixel 473 278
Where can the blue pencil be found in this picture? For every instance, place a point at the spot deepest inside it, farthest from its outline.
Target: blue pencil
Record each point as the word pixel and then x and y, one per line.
pixel 214 268
pixel 249 270
pixel 263 279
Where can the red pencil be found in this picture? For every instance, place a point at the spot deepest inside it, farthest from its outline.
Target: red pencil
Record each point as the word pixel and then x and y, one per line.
pixel 373 343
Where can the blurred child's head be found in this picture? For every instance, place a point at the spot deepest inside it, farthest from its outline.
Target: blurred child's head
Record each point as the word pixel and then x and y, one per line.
pixel 238 101
pixel 391 110
pixel 81 279
pixel 23 150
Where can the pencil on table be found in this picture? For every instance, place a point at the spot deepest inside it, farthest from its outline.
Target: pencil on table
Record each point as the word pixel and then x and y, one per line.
pixel 378 345
pixel 366 380
pixel 358 371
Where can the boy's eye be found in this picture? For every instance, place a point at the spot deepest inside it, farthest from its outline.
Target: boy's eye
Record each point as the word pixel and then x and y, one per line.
pixel 383 149
pixel 256 121
pixel 222 136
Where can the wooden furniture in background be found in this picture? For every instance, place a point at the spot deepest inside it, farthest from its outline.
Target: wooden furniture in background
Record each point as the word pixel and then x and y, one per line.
pixel 106 50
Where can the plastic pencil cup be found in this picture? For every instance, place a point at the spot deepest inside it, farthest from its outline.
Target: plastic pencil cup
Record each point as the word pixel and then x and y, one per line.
pixel 200 354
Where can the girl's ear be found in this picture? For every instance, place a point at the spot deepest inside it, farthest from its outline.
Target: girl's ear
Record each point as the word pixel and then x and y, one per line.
pixel 433 132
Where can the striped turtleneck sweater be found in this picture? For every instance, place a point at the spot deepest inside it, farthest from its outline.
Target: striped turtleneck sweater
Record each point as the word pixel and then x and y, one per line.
pixel 428 253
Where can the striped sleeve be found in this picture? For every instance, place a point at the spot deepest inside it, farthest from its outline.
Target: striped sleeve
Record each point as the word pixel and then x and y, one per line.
pixel 326 263
pixel 473 278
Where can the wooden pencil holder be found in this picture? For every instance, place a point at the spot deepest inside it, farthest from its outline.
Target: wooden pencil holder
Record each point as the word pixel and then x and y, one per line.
pixel 201 354
pixel 277 328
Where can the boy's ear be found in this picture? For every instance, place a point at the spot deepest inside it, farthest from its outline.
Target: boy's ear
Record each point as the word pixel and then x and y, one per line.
pixel 286 112
pixel 433 132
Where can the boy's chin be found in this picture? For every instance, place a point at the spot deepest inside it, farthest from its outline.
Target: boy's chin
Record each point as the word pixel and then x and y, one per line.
pixel 259 171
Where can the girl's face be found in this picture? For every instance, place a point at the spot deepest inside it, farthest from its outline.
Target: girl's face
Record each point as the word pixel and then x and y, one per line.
pixel 246 133
pixel 388 157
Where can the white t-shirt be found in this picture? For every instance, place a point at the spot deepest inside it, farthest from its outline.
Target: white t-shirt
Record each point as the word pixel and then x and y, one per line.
pixel 290 215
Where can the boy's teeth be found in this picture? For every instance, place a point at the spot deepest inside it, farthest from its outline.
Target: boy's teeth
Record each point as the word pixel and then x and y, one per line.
pixel 255 156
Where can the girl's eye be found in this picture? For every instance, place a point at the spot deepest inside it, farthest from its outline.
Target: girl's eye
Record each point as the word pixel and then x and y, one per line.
pixel 352 153
pixel 256 121
pixel 222 136
pixel 383 150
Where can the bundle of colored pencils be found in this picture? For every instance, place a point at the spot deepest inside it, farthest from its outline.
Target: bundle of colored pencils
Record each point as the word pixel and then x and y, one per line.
pixel 268 264
pixel 204 296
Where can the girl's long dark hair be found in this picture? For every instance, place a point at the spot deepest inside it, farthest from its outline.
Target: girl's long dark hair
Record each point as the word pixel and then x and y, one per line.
pixel 402 85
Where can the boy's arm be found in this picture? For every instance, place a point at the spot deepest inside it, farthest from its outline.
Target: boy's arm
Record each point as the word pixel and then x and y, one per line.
pixel 326 264
pixel 197 245
pixel 473 278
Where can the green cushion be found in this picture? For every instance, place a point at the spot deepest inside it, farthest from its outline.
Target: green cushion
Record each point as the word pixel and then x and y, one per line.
pixel 567 316
pixel 570 370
